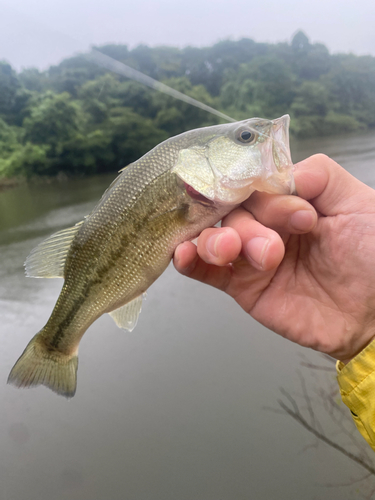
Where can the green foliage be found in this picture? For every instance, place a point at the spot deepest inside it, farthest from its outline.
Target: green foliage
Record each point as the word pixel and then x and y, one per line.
pixel 8 138
pixel 9 86
pixel 53 119
pixel 131 136
pixel 26 160
pixel 84 154
pixel 77 117
pixel 32 79
pixel 317 126
pixel 264 86
pixel 312 98
pixel 105 92
pixel 176 116
pixel 352 81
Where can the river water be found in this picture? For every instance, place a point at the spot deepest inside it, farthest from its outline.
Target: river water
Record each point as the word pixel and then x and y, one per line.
pixel 179 409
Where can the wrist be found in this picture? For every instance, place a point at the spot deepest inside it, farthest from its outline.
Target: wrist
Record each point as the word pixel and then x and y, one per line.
pixel 347 360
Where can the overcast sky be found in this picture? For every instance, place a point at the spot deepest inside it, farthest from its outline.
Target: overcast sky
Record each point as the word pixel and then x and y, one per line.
pixel 42 32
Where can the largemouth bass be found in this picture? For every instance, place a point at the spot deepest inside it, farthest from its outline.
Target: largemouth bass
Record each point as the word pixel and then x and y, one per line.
pixel 108 260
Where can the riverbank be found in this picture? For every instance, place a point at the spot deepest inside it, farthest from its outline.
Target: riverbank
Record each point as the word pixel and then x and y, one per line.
pixel 11 182
pixel 6 183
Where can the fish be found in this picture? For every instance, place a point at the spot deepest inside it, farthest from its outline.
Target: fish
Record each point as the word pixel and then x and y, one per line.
pixel 109 259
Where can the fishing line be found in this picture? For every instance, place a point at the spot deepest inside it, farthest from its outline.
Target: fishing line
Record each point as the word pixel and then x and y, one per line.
pixel 122 69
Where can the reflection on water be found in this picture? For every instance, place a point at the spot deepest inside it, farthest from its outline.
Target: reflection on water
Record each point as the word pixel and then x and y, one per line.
pixel 31 210
pixel 173 410
pixel 354 152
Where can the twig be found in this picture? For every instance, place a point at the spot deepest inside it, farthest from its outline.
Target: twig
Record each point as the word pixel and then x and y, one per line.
pixel 318 367
pixel 297 415
pixel 352 481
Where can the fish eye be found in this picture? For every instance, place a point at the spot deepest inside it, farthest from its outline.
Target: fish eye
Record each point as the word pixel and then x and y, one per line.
pixel 246 136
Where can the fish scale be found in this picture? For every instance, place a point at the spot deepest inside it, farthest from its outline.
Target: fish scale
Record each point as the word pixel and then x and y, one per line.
pixel 109 259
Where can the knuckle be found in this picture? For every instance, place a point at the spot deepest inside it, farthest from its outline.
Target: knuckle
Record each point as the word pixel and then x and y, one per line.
pixel 321 157
pixel 324 160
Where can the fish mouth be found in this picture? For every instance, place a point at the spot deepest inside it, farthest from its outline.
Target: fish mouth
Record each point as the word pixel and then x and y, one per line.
pixel 196 195
pixel 276 158
pixel 281 154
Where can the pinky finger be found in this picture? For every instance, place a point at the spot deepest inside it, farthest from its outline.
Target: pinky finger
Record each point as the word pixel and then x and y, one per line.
pixel 185 257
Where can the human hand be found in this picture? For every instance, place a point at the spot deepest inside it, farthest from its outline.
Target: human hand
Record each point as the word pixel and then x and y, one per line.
pixel 304 269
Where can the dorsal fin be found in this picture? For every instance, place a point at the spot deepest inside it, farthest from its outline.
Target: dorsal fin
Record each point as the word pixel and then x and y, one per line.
pixel 47 260
pixel 124 168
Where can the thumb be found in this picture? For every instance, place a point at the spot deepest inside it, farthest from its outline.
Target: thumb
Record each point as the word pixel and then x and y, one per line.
pixel 330 188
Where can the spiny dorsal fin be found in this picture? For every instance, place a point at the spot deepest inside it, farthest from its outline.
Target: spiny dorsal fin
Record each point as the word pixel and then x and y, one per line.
pixel 124 168
pixel 47 260
pixel 126 317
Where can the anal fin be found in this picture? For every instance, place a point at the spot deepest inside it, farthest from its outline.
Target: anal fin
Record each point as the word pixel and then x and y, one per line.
pixel 126 316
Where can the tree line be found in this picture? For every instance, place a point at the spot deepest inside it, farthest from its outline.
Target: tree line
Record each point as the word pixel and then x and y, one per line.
pixel 77 117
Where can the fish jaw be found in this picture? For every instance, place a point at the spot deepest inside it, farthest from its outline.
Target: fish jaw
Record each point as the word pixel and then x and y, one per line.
pixel 277 175
pixel 225 171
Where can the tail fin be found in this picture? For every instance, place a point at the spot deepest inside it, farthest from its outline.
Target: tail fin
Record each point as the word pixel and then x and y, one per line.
pixel 39 365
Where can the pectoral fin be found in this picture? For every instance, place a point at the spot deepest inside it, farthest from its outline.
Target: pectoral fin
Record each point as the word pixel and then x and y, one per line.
pixel 126 317
pixel 47 260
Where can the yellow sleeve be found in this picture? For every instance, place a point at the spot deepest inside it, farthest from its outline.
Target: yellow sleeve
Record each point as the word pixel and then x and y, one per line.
pixel 357 389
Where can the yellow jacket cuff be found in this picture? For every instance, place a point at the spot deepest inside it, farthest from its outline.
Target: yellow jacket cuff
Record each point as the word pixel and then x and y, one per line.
pixel 357 388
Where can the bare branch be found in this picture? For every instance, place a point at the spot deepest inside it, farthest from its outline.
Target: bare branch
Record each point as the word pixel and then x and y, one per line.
pixel 352 481
pixel 290 399
pixel 318 367
pixel 296 414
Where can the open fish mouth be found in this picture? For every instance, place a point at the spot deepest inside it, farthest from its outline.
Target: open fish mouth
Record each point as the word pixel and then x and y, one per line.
pixel 196 195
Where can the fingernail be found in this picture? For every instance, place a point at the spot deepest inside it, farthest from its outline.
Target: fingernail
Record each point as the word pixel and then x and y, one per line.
pixel 256 249
pixel 212 244
pixel 303 220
